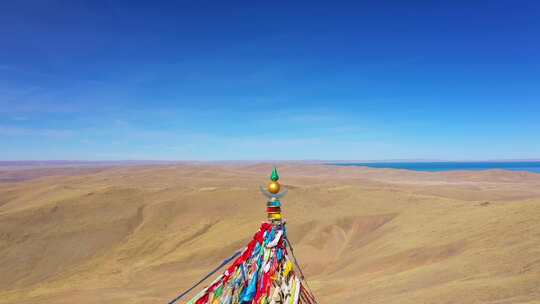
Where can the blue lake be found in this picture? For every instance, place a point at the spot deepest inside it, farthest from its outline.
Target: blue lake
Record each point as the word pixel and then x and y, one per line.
pixel 449 166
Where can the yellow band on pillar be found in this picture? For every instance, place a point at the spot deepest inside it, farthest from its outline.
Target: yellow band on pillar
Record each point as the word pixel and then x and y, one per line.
pixel 274 216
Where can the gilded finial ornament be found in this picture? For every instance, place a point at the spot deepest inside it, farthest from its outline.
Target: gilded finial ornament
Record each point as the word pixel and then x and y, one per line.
pixel 272 193
pixel 273 186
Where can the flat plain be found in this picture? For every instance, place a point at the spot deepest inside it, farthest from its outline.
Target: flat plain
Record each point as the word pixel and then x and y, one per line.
pixel 143 233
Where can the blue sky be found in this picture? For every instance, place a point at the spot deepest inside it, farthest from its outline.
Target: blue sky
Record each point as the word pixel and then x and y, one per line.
pixel 260 80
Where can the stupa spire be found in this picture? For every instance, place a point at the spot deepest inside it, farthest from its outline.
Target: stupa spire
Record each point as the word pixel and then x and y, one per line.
pixel 273 205
pixel 265 271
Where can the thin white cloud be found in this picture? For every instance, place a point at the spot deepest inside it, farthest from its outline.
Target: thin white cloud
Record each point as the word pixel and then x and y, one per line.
pixel 12 131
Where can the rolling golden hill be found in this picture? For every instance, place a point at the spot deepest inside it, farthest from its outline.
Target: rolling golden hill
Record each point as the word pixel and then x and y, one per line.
pixel 141 234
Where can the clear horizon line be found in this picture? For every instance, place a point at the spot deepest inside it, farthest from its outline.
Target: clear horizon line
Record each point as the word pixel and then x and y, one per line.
pixel 268 160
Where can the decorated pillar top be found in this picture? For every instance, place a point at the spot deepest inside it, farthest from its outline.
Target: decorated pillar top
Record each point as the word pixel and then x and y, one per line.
pixel 272 192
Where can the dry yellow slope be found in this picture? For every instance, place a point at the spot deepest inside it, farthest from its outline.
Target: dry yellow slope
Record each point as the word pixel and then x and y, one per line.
pixel 141 234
